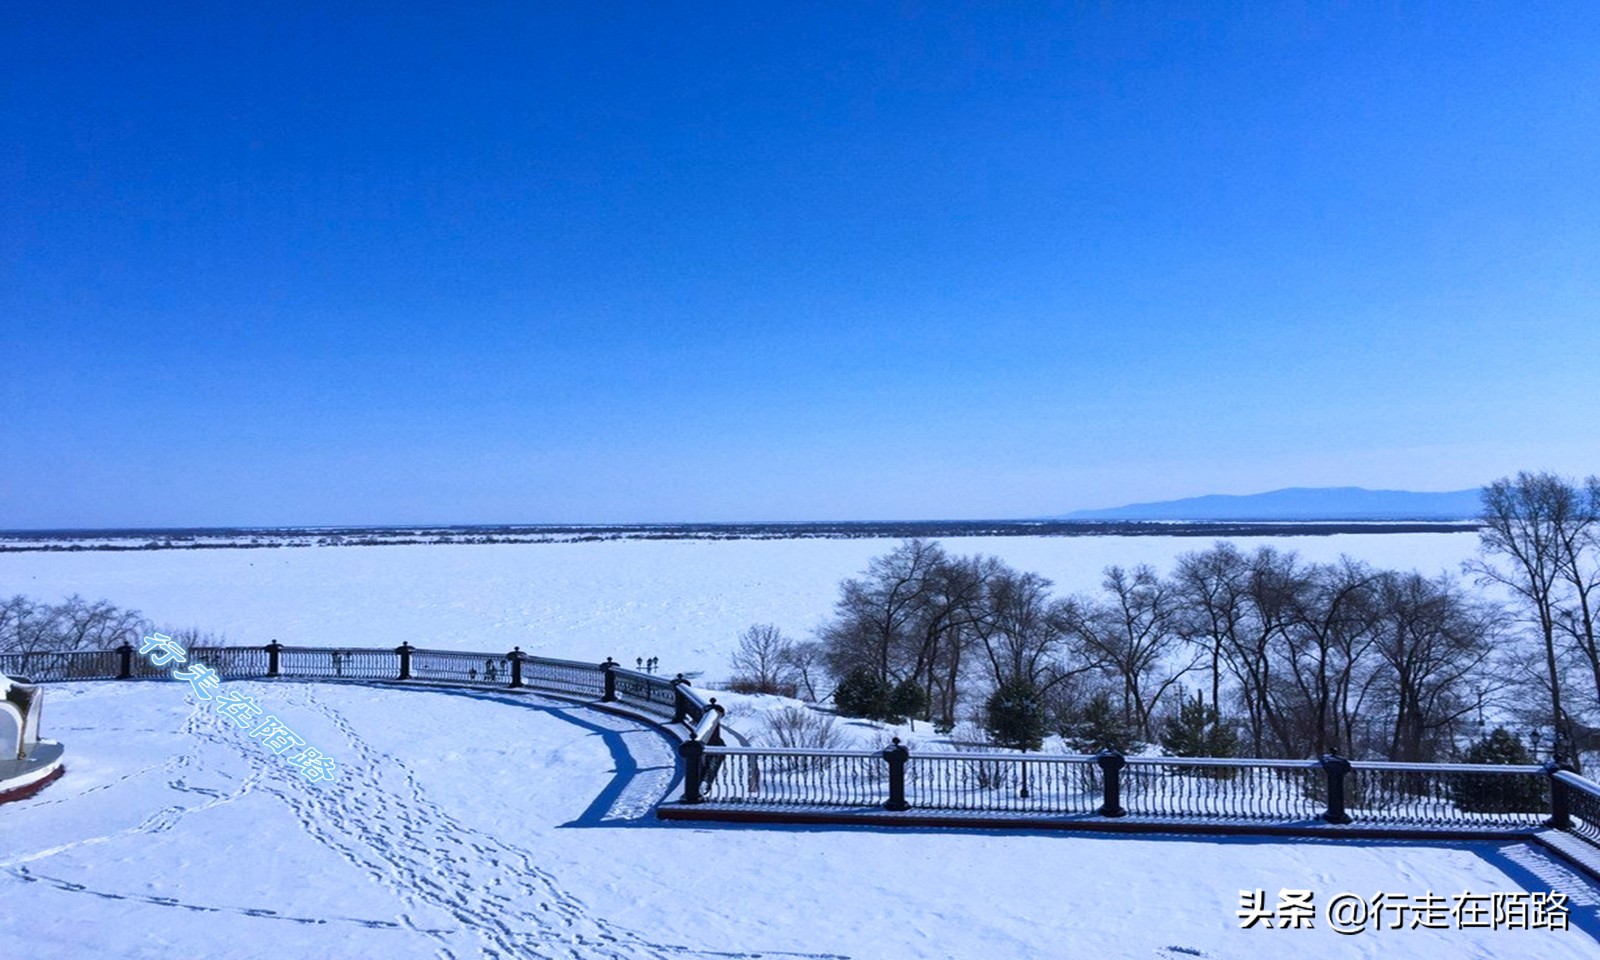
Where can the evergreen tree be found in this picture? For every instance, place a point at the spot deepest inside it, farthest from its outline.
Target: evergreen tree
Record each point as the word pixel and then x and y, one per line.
pixel 1501 746
pixel 1100 725
pixel 1498 793
pixel 1015 715
pixel 1198 731
pixel 862 694
pixel 907 701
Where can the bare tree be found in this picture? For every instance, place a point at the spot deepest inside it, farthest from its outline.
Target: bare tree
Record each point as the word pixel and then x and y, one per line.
pixel 804 660
pixel 26 626
pixel 910 620
pixel 47 634
pixel 763 660
pixel 1524 523
pixel 1578 566
pixel 940 631
pixel 1016 629
pixel 877 613
pixel 1023 631
pixel 12 611
pixel 1270 605
pixel 1130 636
pixel 80 625
pixel 1321 657
pixel 1210 588
pixel 1435 643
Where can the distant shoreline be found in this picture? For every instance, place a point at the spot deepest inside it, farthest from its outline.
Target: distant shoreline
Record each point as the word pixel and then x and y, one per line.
pixel 250 538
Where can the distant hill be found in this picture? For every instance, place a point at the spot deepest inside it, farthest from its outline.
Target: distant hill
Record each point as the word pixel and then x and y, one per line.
pixel 1301 503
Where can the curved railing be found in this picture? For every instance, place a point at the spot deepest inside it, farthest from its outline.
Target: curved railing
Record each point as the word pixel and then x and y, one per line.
pixel 721 781
pixel 607 683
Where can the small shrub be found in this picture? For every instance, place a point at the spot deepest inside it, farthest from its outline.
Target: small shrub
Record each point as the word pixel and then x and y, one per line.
pixel 803 729
pixel 743 684
pixel 799 727
pixel 986 774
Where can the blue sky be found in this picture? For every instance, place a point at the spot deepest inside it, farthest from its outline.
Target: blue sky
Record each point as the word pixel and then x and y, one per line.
pixel 509 263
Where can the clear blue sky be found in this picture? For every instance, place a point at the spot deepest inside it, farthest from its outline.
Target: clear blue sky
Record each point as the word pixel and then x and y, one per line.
pixel 288 264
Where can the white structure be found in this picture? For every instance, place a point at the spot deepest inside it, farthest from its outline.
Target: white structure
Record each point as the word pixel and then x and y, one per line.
pixel 27 760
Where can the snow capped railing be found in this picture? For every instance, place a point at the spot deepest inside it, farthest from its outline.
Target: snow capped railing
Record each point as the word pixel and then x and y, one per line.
pixel 982 781
pixel 1369 796
pixel 1263 791
pixel 648 693
pixel 1577 805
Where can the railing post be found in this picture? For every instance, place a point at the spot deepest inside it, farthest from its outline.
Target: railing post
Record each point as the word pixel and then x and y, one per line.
pixel 709 766
pixel 897 754
pixel 680 700
pixel 273 650
pixel 515 656
pixel 1560 801
pixel 1111 763
pixel 692 751
pixel 1336 768
pixel 125 661
pixel 610 667
pixel 405 660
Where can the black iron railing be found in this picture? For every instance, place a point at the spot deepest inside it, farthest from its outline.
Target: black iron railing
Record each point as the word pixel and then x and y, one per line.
pixel 1449 794
pixel 1267 791
pixel 846 778
pixel 230 662
pixel 1375 795
pixel 49 666
pixel 1000 781
pixel 674 698
pixel 1577 805
pixel 346 664
pixel 1289 794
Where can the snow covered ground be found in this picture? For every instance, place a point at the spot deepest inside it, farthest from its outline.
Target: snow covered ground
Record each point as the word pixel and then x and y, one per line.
pixel 684 601
pixel 474 823
pixel 469 823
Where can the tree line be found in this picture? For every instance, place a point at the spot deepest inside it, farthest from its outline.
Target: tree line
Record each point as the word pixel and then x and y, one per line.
pixel 36 628
pixel 75 624
pixel 1230 651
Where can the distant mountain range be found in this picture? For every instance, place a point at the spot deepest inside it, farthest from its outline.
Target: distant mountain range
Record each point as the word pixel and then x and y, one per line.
pixel 1301 503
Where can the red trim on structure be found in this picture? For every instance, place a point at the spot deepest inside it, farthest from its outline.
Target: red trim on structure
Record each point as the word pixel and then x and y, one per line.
pixel 22 793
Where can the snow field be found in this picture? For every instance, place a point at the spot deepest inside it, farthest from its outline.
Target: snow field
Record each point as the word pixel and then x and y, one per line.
pixel 468 823
pixel 477 823
pixel 684 601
